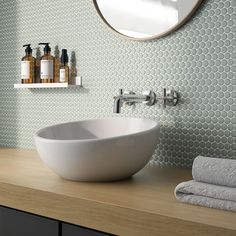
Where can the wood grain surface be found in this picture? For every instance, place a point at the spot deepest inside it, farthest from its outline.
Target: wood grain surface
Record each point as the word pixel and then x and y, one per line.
pixel 142 205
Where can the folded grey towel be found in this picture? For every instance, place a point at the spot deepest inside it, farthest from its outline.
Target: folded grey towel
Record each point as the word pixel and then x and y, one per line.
pixel 209 195
pixel 214 171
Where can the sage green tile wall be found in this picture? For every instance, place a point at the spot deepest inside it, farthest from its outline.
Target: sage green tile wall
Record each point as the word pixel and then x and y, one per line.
pixel 198 61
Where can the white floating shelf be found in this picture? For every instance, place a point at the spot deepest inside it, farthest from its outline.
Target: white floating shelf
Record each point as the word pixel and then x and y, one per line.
pixel 45 85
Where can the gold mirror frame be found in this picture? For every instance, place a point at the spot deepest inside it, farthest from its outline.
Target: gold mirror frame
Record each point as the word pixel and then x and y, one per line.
pixel 169 31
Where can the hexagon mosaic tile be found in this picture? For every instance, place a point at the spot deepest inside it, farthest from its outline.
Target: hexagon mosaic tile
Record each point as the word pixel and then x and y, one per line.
pixel 198 60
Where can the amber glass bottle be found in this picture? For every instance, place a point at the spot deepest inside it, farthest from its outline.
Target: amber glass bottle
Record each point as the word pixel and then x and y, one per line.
pixel 56 64
pixel 37 66
pixel 64 68
pixel 27 66
pixel 46 65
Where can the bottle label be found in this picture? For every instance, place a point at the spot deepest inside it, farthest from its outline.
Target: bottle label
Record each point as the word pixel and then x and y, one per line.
pixel 25 70
pixel 62 75
pixel 46 69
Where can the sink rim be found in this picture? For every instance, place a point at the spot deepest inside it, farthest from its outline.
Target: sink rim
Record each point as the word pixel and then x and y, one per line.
pixel 155 126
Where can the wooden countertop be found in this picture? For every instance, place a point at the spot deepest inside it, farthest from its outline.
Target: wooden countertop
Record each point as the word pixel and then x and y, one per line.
pixel 142 205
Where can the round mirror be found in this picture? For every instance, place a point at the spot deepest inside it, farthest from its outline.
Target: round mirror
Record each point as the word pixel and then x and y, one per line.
pixel 145 19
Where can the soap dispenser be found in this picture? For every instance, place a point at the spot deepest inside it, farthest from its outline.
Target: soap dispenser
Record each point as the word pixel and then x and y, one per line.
pixel 64 68
pixel 46 65
pixel 27 66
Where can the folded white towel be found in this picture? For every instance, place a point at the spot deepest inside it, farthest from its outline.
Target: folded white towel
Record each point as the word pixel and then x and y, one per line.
pixel 214 184
pixel 208 195
pixel 214 171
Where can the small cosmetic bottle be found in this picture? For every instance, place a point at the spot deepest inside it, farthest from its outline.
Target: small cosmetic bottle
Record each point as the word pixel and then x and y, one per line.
pixel 37 65
pixel 56 64
pixel 64 68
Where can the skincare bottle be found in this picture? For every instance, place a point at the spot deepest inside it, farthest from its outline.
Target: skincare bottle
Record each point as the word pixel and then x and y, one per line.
pixel 73 69
pixel 46 65
pixel 27 66
pixel 64 68
pixel 37 65
pixel 56 64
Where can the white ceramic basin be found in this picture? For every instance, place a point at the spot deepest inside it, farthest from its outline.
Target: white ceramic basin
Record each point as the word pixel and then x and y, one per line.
pixel 98 150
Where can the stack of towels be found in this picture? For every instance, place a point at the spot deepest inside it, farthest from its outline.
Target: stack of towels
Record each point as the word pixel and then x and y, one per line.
pixel 213 184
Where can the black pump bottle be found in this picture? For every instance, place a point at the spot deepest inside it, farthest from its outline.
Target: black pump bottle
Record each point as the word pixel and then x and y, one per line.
pixel 46 65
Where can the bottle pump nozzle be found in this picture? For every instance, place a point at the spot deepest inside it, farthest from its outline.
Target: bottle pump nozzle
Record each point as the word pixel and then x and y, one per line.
pixel 64 56
pixel 28 49
pixel 46 49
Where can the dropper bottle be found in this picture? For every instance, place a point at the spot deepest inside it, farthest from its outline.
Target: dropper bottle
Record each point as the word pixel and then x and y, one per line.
pixel 37 65
pixel 64 68
pixel 56 64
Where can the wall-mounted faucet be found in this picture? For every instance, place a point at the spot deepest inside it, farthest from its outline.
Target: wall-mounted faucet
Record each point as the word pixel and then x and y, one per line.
pixel 170 98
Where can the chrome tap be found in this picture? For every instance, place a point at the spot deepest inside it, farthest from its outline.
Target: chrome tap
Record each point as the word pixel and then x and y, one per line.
pixel 148 97
pixel 130 98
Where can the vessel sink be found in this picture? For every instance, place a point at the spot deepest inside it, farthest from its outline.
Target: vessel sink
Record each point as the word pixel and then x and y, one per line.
pixel 98 150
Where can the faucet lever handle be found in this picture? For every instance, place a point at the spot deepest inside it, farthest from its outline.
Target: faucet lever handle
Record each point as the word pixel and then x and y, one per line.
pixel 170 98
pixel 150 97
pixel 128 92
pixel 120 91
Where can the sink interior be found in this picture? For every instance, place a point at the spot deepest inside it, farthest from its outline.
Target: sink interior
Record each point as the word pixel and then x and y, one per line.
pixel 96 129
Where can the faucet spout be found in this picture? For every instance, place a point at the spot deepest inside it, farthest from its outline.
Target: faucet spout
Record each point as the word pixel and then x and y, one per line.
pixel 130 98
pixel 117 104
